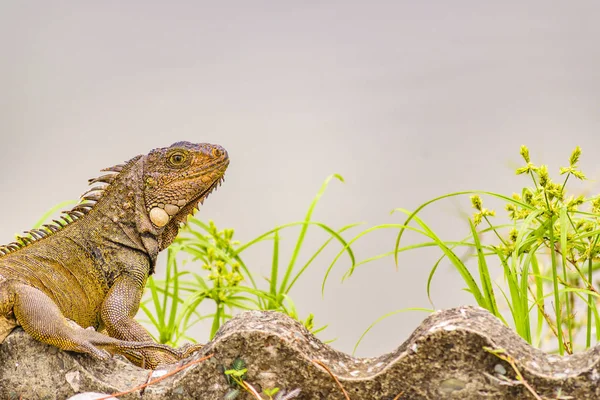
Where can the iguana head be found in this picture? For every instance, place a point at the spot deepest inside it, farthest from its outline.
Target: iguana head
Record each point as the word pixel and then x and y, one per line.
pixel 160 189
pixel 178 178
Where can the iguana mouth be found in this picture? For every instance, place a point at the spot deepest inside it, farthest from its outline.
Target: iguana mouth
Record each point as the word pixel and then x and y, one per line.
pixel 193 205
pixel 204 195
pixel 208 170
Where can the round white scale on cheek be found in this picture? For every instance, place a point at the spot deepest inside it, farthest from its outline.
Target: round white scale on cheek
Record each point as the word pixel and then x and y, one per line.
pixel 159 217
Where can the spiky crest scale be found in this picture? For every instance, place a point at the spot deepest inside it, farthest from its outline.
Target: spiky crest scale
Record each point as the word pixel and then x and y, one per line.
pixel 86 203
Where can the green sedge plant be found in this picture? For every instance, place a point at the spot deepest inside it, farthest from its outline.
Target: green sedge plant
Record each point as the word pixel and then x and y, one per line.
pixel 217 273
pixel 548 251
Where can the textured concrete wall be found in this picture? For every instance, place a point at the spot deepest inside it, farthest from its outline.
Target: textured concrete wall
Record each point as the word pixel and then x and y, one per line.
pixel 448 357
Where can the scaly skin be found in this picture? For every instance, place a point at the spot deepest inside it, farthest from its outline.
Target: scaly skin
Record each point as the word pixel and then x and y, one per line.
pixel 91 270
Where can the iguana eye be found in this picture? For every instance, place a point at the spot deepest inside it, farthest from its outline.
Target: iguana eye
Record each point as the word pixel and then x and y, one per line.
pixel 177 159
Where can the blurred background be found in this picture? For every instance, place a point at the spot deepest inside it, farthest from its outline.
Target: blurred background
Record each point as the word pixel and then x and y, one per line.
pixel 406 100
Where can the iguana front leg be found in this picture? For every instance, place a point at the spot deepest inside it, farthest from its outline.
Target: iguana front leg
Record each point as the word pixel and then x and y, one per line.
pixel 118 311
pixel 42 319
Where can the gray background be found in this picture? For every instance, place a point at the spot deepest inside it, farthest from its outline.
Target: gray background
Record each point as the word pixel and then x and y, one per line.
pixel 407 100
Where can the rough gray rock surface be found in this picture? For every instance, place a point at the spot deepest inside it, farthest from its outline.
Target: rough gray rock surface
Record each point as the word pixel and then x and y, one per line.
pixel 443 359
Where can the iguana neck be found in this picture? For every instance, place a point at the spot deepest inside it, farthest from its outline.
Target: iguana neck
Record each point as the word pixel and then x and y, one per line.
pixel 121 214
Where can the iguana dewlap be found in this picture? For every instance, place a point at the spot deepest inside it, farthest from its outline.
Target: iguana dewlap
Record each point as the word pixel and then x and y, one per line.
pixel 91 268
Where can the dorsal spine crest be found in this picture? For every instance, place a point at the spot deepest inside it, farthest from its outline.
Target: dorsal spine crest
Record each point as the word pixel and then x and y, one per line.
pixel 86 203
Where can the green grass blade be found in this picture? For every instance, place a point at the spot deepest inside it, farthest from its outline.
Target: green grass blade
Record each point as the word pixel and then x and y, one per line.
pixel 591 306
pixel 514 301
pixel 175 298
pixel 524 297
pixel 564 225
pixel 484 274
pixel 350 242
pixel 315 254
pixel 557 304
pixel 524 240
pixel 430 278
pixel 304 228
pixel 216 320
pixel 427 310
pixel 539 294
pixel 59 207
pixel 159 321
pixel 454 259
pixel 274 270
pixel 345 247
pixel 422 206
pixel 150 316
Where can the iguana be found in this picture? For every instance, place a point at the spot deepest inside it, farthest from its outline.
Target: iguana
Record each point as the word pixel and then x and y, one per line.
pixel 90 268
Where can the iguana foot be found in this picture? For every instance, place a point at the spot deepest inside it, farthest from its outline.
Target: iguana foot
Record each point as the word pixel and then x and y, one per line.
pixel 150 358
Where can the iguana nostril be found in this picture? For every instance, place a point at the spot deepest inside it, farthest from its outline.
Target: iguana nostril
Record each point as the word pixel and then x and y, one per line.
pixel 218 152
